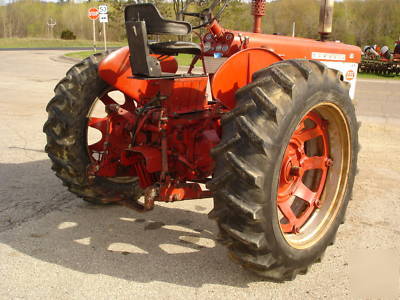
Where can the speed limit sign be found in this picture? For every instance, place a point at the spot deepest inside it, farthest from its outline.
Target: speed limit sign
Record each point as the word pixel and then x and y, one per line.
pixel 103 9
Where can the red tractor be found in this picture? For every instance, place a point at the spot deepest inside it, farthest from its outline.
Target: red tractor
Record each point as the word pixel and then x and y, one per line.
pixel 267 128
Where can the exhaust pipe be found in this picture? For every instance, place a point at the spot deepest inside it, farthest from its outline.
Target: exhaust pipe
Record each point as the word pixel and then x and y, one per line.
pixel 326 18
pixel 258 11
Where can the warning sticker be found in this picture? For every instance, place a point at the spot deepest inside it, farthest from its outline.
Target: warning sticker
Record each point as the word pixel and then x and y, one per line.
pixel 350 75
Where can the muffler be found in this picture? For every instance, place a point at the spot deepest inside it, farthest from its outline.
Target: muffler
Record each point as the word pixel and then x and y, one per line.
pixel 326 18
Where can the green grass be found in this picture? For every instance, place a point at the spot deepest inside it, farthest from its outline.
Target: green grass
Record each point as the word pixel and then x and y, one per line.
pixel 50 43
pixel 376 76
pixel 80 54
pixel 183 59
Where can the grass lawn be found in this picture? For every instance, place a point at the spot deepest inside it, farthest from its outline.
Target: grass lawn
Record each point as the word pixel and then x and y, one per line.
pixel 80 54
pixel 376 76
pixel 50 43
pixel 183 59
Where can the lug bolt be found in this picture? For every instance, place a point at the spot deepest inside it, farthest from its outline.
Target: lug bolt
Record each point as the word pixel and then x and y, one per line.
pixel 295 171
pixel 329 162
pixel 112 108
pixel 317 203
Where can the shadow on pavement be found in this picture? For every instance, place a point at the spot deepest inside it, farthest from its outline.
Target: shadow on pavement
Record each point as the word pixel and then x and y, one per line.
pixel 168 244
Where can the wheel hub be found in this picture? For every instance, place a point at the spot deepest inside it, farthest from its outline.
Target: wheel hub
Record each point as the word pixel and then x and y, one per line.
pixel 291 170
pixel 303 176
pixel 105 152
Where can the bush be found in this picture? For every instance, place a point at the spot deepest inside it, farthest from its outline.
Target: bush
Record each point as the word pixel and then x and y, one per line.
pixel 68 35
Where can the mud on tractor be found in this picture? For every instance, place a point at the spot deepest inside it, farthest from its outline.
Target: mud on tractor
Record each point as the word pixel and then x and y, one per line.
pixel 267 129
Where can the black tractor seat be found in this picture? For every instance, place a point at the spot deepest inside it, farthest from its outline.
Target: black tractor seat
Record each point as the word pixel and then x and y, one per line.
pixel 155 23
pixel 143 19
pixel 174 48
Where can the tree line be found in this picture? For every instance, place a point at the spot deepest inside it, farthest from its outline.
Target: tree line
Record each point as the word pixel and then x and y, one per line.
pixel 358 22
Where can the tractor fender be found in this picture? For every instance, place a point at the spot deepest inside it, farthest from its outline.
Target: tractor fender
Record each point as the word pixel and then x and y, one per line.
pixel 116 70
pixel 237 71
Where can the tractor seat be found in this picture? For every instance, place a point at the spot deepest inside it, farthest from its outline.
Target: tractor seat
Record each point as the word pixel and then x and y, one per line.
pixel 155 23
pixel 143 19
pixel 175 47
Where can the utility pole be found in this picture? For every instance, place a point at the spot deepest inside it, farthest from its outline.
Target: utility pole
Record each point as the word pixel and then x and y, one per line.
pixel 50 26
pixel 294 29
pixel 4 22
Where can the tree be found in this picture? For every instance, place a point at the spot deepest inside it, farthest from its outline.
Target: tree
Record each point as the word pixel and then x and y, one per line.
pixel 179 6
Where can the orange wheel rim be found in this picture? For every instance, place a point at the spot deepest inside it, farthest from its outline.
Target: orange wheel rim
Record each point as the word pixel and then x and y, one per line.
pixel 296 199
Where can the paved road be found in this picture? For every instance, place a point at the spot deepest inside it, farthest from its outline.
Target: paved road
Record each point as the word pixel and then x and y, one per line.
pixel 52 245
pixel 378 98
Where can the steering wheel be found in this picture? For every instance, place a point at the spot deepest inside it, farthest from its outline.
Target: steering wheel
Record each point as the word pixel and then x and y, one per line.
pixel 206 15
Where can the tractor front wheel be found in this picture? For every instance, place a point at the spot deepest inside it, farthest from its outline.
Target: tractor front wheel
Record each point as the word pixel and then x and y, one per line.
pixel 285 168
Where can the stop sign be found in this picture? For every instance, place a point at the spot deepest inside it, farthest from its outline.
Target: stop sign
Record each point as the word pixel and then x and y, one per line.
pixel 93 13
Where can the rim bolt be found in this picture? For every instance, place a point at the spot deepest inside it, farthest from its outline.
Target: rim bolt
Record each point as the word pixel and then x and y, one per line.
pixel 317 203
pixel 329 162
pixel 295 171
pixel 296 230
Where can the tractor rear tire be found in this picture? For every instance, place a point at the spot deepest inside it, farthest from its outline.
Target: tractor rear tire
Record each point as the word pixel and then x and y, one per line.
pixel 249 166
pixel 66 130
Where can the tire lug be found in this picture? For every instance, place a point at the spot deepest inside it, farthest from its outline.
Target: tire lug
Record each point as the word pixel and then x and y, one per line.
pixel 91 179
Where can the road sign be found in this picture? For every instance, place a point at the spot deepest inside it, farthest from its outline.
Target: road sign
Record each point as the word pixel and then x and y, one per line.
pixel 103 9
pixel 103 18
pixel 93 13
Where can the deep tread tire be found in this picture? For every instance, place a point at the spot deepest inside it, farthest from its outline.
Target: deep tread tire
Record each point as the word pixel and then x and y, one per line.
pixel 248 161
pixel 66 130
